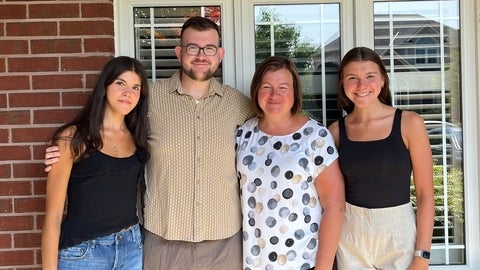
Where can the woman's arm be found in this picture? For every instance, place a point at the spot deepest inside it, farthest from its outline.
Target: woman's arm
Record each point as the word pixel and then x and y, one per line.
pixel 418 144
pixel 331 191
pixel 56 193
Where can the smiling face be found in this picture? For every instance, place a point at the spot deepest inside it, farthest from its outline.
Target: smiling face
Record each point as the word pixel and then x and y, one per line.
pixel 362 82
pixel 199 67
pixel 124 93
pixel 276 93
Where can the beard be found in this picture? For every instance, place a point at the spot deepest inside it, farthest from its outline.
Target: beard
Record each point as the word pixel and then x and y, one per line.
pixel 196 75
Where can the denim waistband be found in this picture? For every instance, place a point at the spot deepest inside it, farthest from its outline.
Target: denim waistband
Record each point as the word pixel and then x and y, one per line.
pixel 131 234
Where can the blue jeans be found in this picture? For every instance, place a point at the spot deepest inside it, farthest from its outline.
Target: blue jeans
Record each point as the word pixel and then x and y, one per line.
pixel 120 250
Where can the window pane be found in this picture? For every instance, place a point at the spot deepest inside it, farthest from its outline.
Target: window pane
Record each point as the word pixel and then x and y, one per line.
pixel 157 32
pixel 309 35
pixel 419 45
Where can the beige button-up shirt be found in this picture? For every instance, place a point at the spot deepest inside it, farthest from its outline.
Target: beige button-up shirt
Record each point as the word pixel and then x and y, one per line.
pixel 192 189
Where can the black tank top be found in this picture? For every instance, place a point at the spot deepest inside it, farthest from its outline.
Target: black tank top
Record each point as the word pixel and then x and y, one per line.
pixel 377 173
pixel 102 196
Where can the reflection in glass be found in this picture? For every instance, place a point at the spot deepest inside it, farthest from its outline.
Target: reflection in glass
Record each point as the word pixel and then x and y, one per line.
pixel 309 35
pixel 157 32
pixel 419 45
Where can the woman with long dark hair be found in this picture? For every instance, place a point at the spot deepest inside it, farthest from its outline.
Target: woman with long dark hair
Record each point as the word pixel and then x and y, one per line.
pixel 99 176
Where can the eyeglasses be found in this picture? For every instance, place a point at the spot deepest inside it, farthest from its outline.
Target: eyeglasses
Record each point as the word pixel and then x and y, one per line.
pixel 194 50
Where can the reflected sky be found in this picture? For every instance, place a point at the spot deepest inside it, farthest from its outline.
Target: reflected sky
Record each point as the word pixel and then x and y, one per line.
pixel 448 11
pixel 315 22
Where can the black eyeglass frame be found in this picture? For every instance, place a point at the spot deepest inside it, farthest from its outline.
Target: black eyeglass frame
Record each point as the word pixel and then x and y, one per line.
pixel 197 50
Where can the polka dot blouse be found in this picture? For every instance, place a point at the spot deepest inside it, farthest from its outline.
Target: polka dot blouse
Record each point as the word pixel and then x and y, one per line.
pixel 280 205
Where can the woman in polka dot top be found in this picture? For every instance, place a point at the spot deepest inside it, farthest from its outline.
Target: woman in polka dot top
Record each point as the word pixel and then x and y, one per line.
pixel 291 185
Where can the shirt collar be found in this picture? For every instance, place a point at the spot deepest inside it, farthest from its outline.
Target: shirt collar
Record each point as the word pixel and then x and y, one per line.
pixel 215 86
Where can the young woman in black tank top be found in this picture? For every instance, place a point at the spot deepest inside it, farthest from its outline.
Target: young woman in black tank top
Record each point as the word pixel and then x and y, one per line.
pixel 379 148
pixel 98 174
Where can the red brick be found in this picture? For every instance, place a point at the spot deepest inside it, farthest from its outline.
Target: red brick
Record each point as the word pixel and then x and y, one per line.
pixel 15 188
pixel 38 258
pixel 56 46
pixel 33 64
pixel 40 221
pixel 24 170
pixel 91 80
pixel 59 81
pixel 4 136
pixel 1 29
pixel 31 29
pixel 14 82
pixel 16 223
pixel 76 28
pixel 13 47
pixel 5 241
pixel 84 63
pixel 17 12
pixel 2 64
pixel 31 134
pixel 99 45
pixel 52 10
pixel 39 151
pixel 3 102
pixel 16 257
pixel 15 152
pixel 29 205
pixel 14 117
pixel 34 99
pixel 25 240
pixel 75 98
pixel 39 187
pixel 6 206
pixel 97 10
pixel 5 171
pixel 60 116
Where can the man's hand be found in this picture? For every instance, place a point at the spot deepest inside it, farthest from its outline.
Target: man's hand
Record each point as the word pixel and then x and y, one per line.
pixel 51 156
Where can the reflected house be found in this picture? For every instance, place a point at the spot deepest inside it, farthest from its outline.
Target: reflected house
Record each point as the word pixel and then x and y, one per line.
pixel 415 72
pixel 332 61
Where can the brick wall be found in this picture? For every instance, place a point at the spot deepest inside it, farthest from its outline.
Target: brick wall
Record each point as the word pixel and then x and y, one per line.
pixel 50 55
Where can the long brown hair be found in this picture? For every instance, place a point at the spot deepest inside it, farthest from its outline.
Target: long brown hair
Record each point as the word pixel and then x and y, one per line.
pixel 88 122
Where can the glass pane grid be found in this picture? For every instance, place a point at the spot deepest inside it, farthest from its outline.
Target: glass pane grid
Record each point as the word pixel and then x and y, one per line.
pixel 309 35
pixel 420 48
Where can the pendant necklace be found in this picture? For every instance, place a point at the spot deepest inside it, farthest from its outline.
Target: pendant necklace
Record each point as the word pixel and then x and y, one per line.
pixel 115 145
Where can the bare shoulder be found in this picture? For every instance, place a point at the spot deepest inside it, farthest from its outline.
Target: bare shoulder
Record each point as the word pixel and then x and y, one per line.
pixel 64 139
pixel 412 120
pixel 413 129
pixel 333 128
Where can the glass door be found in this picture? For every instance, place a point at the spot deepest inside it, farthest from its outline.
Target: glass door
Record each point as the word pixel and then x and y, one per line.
pixel 420 47
pixel 309 34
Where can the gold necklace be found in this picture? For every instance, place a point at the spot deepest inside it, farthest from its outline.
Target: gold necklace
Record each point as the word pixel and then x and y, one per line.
pixel 115 145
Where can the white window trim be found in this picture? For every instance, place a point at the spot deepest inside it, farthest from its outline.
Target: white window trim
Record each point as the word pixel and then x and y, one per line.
pixel 470 94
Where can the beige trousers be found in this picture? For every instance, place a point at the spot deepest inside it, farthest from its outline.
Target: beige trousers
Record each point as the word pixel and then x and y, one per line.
pixel 381 238
pixel 161 254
